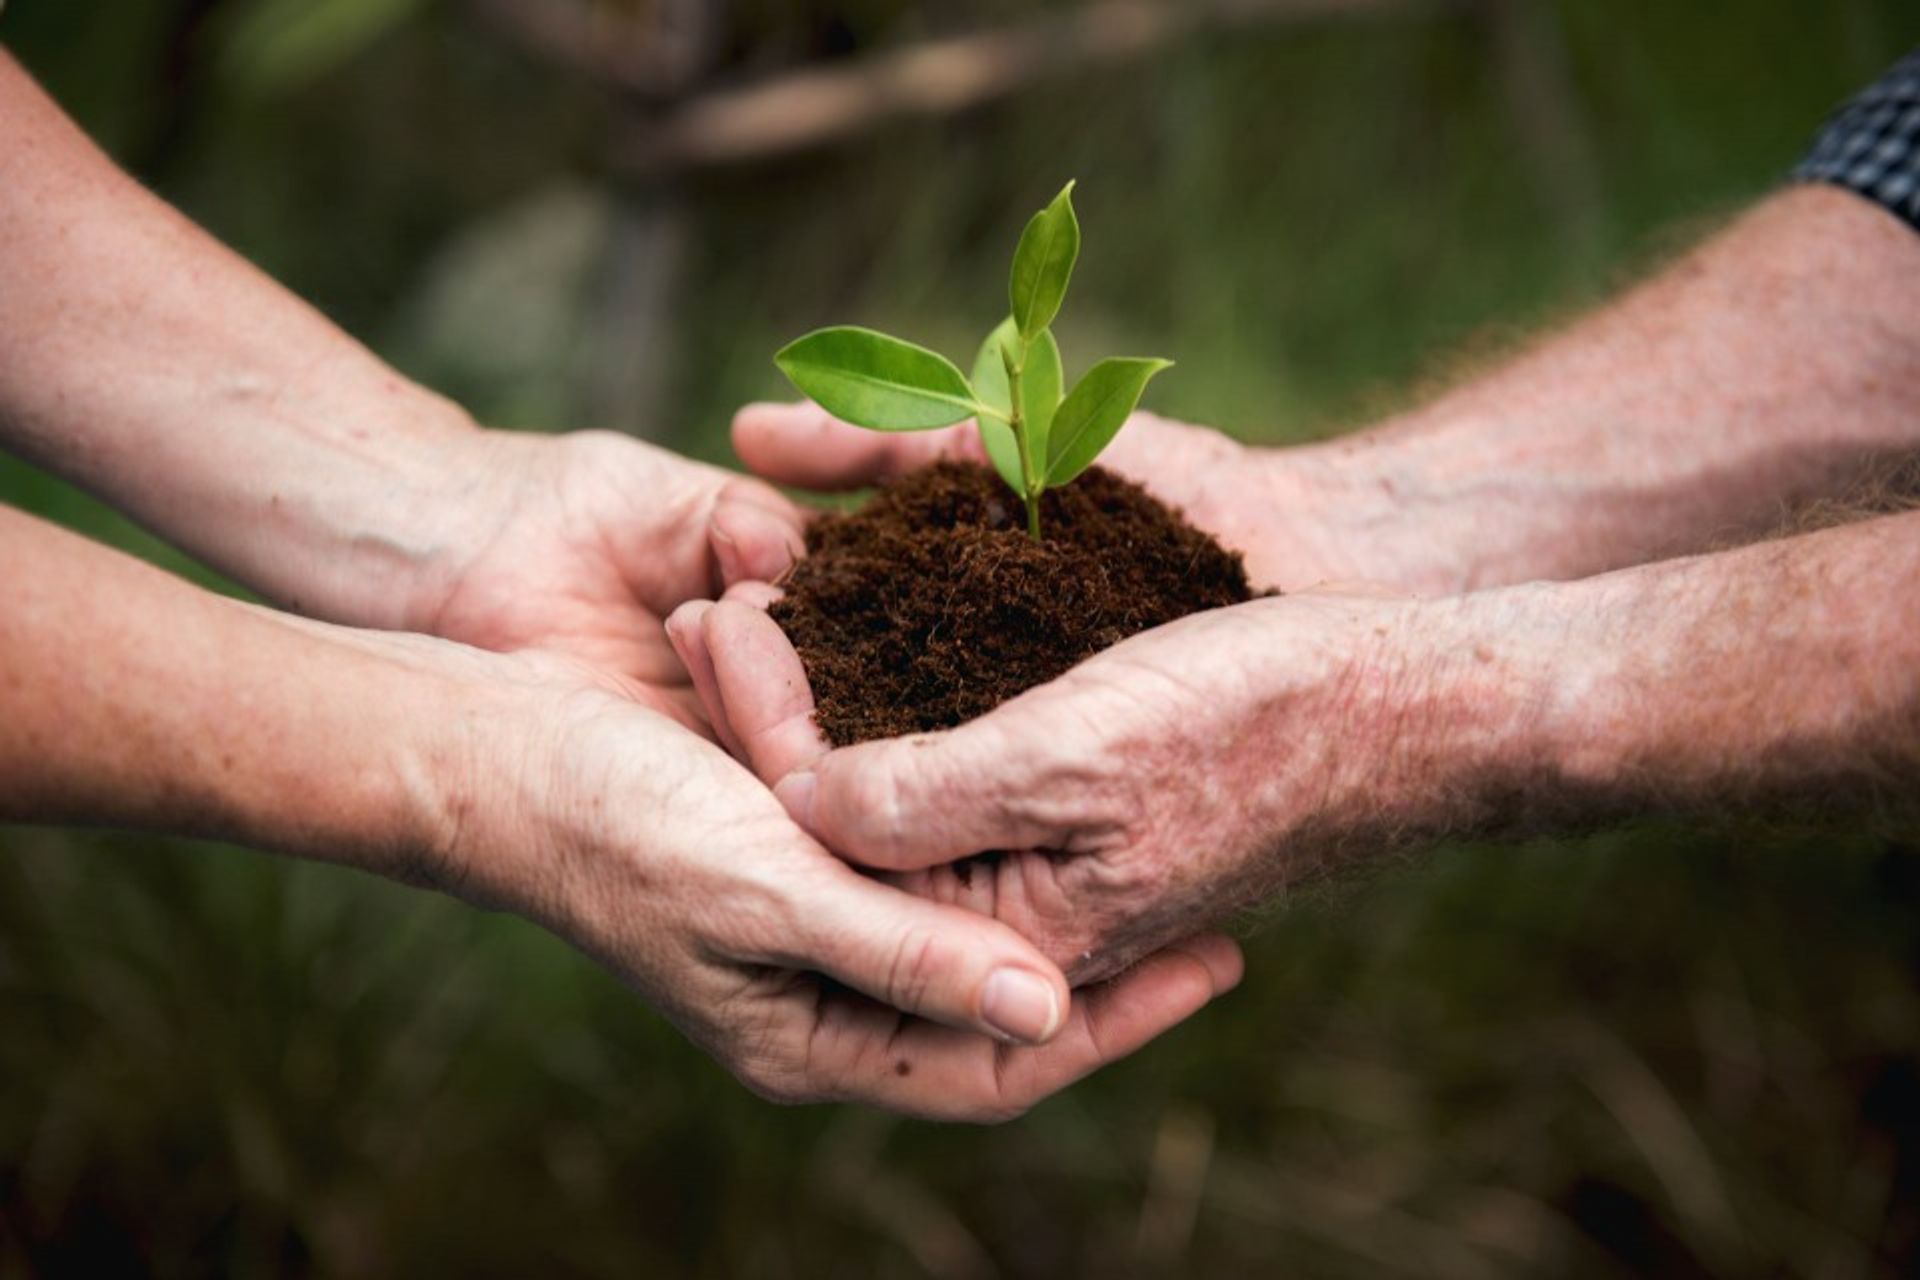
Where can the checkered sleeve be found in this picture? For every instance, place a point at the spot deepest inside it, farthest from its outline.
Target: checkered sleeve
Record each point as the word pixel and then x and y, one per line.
pixel 1872 145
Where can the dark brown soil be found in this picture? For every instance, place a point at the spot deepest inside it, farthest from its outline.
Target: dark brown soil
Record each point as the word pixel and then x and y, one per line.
pixel 931 606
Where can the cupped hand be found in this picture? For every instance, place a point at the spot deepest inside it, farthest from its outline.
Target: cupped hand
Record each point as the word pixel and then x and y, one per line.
pixel 651 850
pixel 581 544
pixel 1264 503
pixel 1154 789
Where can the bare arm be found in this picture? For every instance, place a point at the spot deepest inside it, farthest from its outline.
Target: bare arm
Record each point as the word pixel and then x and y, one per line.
pixel 1197 768
pixel 145 362
pixel 1779 362
pixel 130 699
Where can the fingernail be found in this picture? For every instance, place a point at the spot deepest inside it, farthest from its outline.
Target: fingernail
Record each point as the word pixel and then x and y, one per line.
pixel 1020 1005
pixel 795 791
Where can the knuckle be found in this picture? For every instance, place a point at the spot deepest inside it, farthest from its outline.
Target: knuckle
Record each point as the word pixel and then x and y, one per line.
pixel 915 965
pixel 870 806
pixel 1086 800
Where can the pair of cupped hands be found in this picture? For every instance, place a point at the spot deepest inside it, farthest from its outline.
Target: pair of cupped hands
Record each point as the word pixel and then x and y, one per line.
pixel 669 806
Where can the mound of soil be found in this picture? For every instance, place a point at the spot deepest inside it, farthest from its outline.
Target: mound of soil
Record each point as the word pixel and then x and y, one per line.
pixel 931 606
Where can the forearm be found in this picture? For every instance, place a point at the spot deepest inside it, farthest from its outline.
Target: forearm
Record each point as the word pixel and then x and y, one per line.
pixel 145 362
pixel 1777 678
pixel 1778 363
pixel 128 698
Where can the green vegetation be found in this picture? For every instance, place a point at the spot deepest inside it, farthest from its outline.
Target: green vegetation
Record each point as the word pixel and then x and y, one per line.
pixel 1036 438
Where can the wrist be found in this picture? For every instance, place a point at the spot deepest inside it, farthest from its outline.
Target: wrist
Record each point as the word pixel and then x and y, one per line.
pixel 1460 714
pixel 469 735
pixel 381 772
pixel 1379 507
pixel 393 534
pixel 1524 725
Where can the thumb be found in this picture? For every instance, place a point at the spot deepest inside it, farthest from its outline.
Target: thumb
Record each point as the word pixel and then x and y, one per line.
pixel 803 445
pixel 761 687
pixel 935 961
pixel 907 803
pixel 756 534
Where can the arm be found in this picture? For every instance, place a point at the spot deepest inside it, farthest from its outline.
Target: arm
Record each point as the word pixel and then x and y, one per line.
pixel 1775 364
pixel 145 362
pixel 159 370
pixel 1196 769
pixel 129 698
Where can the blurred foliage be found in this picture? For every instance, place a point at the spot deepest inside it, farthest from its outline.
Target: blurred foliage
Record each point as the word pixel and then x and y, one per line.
pixel 1658 1051
pixel 285 44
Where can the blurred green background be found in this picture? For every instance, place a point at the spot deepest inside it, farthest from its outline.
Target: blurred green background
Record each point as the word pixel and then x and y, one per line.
pixel 1664 1051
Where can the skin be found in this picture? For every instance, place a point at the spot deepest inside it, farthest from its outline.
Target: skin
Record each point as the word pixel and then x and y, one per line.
pixel 1771 367
pixel 566 775
pixel 536 784
pixel 1139 794
pixel 1200 767
pixel 145 362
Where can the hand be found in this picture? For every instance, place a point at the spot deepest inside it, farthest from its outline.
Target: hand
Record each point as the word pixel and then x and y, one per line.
pixel 1185 773
pixel 1278 507
pixel 581 544
pixel 653 852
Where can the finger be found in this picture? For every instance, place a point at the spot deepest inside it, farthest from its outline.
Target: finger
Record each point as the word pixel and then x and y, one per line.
pixel 942 963
pixel 683 633
pixel 803 445
pixel 903 804
pixel 1365 588
pixel 756 595
pixel 753 540
pixel 762 688
pixel 941 1073
pixel 758 493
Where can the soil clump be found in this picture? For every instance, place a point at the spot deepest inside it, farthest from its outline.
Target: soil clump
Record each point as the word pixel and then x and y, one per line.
pixel 931 606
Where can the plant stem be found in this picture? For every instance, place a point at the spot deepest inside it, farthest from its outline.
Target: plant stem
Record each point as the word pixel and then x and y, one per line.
pixel 1029 491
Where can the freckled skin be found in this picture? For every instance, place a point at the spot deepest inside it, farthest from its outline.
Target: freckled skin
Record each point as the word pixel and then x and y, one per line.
pixel 1197 769
pixel 537 785
pixel 151 366
pixel 1771 367
pixel 566 775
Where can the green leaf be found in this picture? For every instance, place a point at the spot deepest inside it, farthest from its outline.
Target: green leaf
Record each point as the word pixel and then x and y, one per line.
pixel 1093 413
pixel 872 380
pixel 1039 394
pixel 990 384
pixel 1043 263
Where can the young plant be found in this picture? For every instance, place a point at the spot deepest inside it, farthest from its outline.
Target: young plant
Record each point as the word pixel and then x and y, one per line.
pixel 1036 437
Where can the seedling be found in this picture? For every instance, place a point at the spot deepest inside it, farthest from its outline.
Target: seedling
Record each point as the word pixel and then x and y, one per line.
pixel 1036 438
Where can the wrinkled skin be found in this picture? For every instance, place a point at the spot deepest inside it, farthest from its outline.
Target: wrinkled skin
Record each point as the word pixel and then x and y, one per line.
pixel 1151 790
pixel 595 804
pixel 1155 788
pixel 581 544
pixel 652 851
